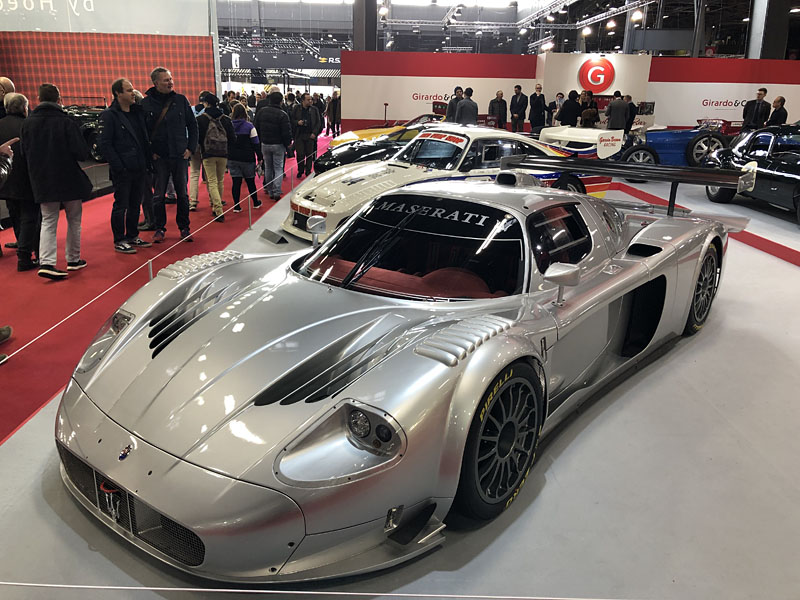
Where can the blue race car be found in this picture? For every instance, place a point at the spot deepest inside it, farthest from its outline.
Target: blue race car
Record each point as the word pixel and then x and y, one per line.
pixel 679 147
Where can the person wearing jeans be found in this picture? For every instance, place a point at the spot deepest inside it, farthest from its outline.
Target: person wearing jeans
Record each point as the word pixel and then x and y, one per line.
pixel 307 125
pixel 173 139
pixel 275 133
pixel 52 146
pixel 211 124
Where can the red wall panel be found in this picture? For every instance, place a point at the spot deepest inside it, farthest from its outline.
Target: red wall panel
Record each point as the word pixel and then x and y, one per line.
pixel 433 64
pixel 723 70
pixel 85 64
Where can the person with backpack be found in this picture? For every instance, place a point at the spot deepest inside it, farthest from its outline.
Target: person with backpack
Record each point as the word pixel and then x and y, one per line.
pixel 215 134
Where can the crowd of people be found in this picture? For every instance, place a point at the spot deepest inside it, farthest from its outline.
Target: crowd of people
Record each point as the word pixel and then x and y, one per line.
pixel 158 146
pixel 576 109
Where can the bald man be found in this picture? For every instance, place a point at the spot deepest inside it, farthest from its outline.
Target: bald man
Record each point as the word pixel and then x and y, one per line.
pixel 6 87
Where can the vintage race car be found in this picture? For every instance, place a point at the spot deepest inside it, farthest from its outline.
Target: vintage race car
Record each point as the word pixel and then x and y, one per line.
pixel 774 153
pixel 451 152
pixel 317 414
pixel 678 147
pixel 384 128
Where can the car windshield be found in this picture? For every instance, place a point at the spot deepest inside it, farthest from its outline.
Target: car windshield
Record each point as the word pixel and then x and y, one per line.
pixel 424 248
pixel 422 119
pixel 435 150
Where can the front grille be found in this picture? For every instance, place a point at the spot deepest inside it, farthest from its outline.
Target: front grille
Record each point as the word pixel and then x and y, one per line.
pixel 300 221
pixel 125 509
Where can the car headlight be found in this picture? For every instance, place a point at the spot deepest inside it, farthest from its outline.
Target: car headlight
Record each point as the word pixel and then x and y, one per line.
pixel 103 340
pixel 351 442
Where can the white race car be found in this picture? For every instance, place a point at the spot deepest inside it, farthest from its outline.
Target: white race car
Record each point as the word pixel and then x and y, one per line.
pixel 449 152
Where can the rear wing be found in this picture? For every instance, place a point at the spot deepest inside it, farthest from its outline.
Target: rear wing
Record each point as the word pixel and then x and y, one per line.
pixel 741 181
pixel 608 141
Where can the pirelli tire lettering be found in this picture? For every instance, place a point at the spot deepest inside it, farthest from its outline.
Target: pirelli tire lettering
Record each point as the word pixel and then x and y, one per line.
pixel 502 442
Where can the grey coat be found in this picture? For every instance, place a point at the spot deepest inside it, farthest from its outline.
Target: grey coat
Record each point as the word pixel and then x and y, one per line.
pixel 617 113
pixel 467 112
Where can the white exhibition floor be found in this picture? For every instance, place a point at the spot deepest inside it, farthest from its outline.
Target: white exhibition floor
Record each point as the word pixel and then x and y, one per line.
pixel 679 481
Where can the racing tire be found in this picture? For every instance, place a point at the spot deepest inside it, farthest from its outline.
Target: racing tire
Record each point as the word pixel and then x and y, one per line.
pixel 720 195
pixel 640 154
pixel 501 445
pixel 570 183
pixel 703 144
pixel 704 291
pixel 94 150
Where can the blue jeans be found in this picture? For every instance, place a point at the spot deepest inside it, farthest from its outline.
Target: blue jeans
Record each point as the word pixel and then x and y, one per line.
pixel 177 167
pixel 273 168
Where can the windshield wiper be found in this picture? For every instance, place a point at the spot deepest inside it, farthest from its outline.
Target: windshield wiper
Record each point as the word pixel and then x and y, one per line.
pixel 375 250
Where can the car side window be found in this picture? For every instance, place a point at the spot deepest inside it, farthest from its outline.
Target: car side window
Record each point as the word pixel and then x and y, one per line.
pixel 559 234
pixel 759 147
pixel 530 150
pixel 788 142
pixel 408 135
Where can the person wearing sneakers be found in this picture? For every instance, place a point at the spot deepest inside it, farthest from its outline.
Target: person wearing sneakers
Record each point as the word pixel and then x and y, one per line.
pixel 5 333
pixel 123 143
pixel 215 134
pixel 275 134
pixel 242 157
pixel 172 129
pixel 52 146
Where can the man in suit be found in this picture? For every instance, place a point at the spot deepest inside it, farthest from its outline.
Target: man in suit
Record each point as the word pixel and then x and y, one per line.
pixel 633 111
pixel 518 107
pixel 617 112
pixel 499 109
pixel 756 111
pixel 779 115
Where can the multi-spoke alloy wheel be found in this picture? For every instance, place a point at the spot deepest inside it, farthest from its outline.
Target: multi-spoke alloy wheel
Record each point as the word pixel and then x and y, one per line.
pixel 502 443
pixel 704 291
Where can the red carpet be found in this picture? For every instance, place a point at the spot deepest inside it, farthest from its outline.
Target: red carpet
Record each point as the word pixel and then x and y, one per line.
pixel 32 305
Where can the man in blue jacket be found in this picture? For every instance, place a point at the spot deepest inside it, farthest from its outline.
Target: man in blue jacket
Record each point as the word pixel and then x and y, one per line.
pixel 124 144
pixel 172 128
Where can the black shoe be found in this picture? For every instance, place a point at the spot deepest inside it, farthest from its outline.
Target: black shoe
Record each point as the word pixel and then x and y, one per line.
pixel 146 226
pixel 237 208
pixel 257 203
pixel 192 208
pixel 26 265
pixel 138 242
pixel 185 236
pixel 77 265
pixel 124 248
pixel 5 333
pixel 220 218
pixel 3 358
pixel 51 272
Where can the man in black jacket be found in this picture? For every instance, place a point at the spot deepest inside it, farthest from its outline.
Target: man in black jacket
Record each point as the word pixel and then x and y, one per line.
pixel 53 146
pixel 633 111
pixel 756 111
pixel 123 142
pixel 499 109
pixel 779 115
pixel 173 138
pixel 275 135
pixel 307 126
pixel 518 107
pixel 538 107
pixel 17 192
pixel 458 95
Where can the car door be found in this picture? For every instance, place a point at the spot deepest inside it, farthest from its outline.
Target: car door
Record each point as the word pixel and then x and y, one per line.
pixel 784 169
pixel 758 151
pixel 561 232
pixel 484 155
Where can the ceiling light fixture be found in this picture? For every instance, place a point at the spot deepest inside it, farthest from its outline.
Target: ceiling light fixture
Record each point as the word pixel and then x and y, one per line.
pixel 795 10
pixel 637 15
pixel 548 46
pixel 586 31
pixel 610 33
pixel 383 11
pixel 611 24
pixel 523 31
pixel 551 18
pixel 746 20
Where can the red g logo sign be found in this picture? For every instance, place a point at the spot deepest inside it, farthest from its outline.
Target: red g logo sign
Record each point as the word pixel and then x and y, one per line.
pixel 596 75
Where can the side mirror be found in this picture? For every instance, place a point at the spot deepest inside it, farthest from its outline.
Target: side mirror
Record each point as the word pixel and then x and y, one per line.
pixel 562 275
pixel 316 227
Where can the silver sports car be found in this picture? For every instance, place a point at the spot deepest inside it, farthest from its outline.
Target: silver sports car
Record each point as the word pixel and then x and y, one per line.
pixel 317 414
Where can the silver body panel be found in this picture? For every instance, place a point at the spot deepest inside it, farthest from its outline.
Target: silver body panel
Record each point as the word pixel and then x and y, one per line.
pixel 232 438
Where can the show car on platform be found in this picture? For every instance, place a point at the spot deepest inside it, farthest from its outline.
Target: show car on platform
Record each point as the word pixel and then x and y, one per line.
pixel 446 152
pixel 678 147
pixel 316 414
pixel 774 153
pixel 383 128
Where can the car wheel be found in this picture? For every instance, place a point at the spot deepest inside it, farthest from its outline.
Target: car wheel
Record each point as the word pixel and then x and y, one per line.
pixel 570 183
pixel 703 144
pixel 94 151
pixel 640 155
pixel 719 194
pixel 704 291
pixel 502 443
